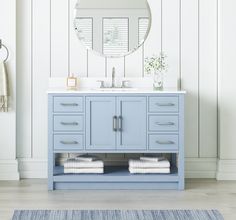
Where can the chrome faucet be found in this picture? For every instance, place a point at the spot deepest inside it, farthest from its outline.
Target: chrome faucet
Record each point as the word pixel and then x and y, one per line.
pixel 113 83
pixel 113 77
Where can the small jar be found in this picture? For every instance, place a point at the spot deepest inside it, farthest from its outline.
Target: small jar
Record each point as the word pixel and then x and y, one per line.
pixel 71 82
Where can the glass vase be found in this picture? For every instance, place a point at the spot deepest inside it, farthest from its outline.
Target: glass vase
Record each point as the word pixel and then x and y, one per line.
pixel 158 81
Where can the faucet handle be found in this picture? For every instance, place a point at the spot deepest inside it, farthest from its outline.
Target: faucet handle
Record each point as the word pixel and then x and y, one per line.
pixel 124 83
pixel 102 85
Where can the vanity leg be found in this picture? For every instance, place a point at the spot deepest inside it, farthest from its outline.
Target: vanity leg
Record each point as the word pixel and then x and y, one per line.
pixel 51 155
pixel 50 171
pixel 181 172
pixel 181 158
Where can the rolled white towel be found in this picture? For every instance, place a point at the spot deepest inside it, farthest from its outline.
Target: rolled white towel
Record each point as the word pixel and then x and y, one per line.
pixel 146 164
pixel 72 163
pixel 152 159
pixel 83 170
pixel 149 170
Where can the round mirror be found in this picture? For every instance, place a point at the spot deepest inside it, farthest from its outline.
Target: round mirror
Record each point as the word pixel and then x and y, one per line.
pixel 112 28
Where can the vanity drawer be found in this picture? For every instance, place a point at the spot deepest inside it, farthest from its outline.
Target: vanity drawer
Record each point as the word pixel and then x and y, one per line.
pixel 163 142
pixel 163 123
pixel 163 104
pixel 68 142
pixel 68 104
pixel 68 123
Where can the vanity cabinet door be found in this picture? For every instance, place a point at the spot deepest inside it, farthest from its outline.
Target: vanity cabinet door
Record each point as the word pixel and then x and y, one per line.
pixel 100 119
pixel 131 115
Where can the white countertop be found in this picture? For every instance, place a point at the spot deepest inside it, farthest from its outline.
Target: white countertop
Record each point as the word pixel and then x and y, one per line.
pixel 115 90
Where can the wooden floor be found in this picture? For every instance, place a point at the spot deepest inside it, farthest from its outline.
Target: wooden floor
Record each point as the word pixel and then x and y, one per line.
pixel 199 194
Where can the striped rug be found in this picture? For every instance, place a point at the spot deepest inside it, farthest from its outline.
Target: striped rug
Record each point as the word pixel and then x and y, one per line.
pixel 117 215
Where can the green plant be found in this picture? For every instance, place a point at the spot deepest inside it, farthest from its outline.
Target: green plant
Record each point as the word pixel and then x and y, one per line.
pixel 156 63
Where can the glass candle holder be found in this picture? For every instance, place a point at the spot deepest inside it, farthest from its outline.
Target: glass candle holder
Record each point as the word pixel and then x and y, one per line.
pixel 158 81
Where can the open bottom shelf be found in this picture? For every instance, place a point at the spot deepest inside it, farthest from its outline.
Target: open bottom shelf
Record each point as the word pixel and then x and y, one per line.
pixel 114 174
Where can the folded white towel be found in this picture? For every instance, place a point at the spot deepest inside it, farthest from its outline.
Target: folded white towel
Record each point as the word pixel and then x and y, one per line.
pixel 149 170
pixel 152 159
pixel 147 164
pixel 73 163
pixel 86 158
pixel 4 87
pixel 83 170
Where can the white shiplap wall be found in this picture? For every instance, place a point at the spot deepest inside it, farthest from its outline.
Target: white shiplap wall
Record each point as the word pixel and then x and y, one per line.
pixel 48 47
pixel 8 162
pixel 227 90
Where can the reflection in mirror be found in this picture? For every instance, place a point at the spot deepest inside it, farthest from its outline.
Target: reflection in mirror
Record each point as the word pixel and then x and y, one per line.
pixel 113 28
pixel 115 36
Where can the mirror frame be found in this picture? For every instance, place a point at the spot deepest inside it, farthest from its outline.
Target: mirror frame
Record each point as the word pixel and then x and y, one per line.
pixel 121 55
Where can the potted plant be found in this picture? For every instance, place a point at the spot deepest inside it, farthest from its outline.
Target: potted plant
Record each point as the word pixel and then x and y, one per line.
pixel 156 65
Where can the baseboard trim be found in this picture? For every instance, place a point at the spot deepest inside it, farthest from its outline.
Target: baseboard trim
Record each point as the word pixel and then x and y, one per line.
pixel 194 168
pixel 200 167
pixel 226 170
pixel 32 168
pixel 9 170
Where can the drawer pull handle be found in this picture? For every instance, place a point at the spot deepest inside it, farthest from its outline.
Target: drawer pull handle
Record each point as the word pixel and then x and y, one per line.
pixel 165 124
pixel 70 123
pixel 165 142
pixel 114 126
pixel 69 104
pixel 165 104
pixel 69 142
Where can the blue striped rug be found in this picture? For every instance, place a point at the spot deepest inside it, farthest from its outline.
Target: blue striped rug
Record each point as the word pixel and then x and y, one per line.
pixel 117 215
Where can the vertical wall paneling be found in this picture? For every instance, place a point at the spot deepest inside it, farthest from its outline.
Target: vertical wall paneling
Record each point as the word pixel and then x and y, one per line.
pixel 96 65
pixel 59 38
pixel 8 120
pixel 227 79
pixel 153 42
pixel 24 66
pixel 41 72
pixel 208 78
pixel 170 36
pixel 78 52
pixel 189 73
pixel 8 162
pixel 136 70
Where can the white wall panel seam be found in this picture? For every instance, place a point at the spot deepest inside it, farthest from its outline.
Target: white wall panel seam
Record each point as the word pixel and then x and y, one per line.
pixel 199 79
pixel 31 86
pixel 69 27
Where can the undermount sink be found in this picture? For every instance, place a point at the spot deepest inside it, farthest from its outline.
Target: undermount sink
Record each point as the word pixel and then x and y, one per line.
pixel 115 89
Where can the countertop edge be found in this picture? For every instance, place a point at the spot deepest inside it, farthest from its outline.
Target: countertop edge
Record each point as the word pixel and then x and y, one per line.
pixel 114 92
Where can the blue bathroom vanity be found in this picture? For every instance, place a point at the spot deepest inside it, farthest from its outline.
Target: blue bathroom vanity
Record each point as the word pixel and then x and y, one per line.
pixel 135 121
